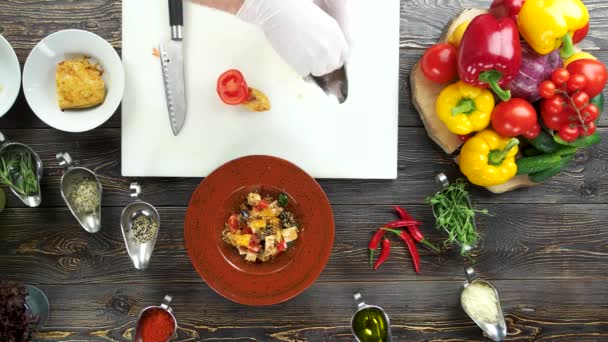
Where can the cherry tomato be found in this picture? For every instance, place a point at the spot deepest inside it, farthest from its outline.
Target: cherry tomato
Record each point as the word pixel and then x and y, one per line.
pixel 576 82
pixel 532 132
pixel 554 105
pixel 232 87
pixel 439 63
pixel 594 72
pixel 579 35
pixel 547 89
pixel 554 120
pixel 514 117
pixel 590 113
pixel 560 76
pixel 569 132
pixel 580 99
pixel 591 128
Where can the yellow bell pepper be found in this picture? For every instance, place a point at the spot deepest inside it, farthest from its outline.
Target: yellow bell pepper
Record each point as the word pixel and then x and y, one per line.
pixel 488 159
pixel 456 36
pixel 547 24
pixel 577 56
pixel 465 109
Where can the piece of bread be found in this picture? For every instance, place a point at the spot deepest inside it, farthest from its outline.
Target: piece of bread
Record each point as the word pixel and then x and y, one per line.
pixel 79 84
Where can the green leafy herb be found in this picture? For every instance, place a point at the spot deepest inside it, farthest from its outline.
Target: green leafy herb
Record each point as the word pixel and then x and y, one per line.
pixel 283 200
pixel 18 172
pixel 454 215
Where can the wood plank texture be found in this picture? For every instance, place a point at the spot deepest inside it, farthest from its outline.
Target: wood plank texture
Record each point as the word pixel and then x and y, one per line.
pixel 419 311
pixel 545 248
pixel 419 161
pixel 519 243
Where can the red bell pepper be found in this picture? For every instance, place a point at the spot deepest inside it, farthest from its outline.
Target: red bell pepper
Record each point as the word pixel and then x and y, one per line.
pixel 490 54
pixel 580 35
pixel 506 8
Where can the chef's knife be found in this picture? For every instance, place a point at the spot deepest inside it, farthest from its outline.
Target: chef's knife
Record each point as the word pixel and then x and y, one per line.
pixel 334 84
pixel 172 61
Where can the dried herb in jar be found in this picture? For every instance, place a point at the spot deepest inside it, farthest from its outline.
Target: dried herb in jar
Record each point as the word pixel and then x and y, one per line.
pixel 144 229
pixel 83 196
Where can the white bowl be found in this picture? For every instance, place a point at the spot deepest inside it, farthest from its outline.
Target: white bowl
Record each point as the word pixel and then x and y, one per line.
pixel 10 76
pixel 39 83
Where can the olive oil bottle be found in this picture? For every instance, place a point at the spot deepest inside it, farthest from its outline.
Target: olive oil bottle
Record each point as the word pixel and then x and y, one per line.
pixel 370 323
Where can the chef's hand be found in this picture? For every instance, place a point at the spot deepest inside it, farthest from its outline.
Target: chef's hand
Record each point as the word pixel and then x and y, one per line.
pixel 313 36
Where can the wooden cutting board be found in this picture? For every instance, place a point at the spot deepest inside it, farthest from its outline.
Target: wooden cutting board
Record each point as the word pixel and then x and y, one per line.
pixel 357 139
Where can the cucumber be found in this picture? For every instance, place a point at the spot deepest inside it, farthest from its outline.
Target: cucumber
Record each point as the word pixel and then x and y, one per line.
pixel 566 150
pixel 531 152
pixel 599 102
pixel 544 142
pixel 544 175
pixel 583 142
pixel 540 163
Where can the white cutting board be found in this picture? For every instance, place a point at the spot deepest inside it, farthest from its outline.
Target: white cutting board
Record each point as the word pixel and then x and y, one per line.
pixel 357 139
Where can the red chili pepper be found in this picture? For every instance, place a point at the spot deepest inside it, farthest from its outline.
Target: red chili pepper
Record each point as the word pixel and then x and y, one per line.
pixel 411 246
pixel 374 243
pixel 490 54
pixel 386 250
pixel 401 224
pixel 506 8
pixel 414 230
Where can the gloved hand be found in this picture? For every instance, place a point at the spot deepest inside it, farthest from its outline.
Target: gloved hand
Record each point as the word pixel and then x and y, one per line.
pixel 312 36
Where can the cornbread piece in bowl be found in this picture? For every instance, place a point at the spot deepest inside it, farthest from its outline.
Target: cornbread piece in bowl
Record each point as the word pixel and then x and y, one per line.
pixel 79 84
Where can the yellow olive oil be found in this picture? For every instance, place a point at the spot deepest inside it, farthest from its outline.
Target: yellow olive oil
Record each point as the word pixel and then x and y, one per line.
pixel 370 325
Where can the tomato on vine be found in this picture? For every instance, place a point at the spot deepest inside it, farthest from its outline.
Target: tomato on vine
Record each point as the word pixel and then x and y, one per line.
pixel 569 132
pixel 560 76
pixel 576 82
pixel 547 89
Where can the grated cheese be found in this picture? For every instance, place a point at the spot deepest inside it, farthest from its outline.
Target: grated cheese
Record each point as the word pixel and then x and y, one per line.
pixel 479 301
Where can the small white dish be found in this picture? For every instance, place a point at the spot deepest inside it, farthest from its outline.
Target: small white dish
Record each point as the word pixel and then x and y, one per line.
pixel 39 83
pixel 10 76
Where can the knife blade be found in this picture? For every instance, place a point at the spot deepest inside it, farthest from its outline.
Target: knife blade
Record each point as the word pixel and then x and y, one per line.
pixel 334 84
pixel 172 62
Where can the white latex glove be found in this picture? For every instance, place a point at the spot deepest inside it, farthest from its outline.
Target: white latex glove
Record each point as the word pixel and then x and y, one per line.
pixel 306 36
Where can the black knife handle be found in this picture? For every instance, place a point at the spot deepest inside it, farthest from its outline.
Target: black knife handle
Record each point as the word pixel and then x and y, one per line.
pixel 176 12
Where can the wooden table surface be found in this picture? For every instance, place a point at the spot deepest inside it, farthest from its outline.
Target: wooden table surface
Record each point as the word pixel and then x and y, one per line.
pixel 545 248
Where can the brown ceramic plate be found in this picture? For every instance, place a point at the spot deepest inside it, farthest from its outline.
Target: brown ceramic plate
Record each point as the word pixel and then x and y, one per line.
pixel 222 267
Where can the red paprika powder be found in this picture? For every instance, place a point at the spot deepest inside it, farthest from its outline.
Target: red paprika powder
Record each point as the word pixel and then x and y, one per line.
pixel 156 325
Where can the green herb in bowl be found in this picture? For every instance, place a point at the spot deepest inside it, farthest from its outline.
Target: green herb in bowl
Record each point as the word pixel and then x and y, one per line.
pixel 18 171
pixel 454 214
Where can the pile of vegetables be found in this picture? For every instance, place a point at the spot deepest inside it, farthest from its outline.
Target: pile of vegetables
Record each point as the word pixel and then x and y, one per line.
pixel 517 90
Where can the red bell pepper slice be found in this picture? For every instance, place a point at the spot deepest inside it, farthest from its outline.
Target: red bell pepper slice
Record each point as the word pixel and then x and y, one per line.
pixel 490 54
pixel 262 205
pixel 233 223
pixel 282 246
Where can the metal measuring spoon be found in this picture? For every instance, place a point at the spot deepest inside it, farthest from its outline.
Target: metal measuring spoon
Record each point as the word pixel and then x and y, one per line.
pixel 334 84
pixel 6 147
pixel 443 181
pixel 91 222
pixel 497 331
pixel 166 306
pixel 370 324
pixel 139 253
